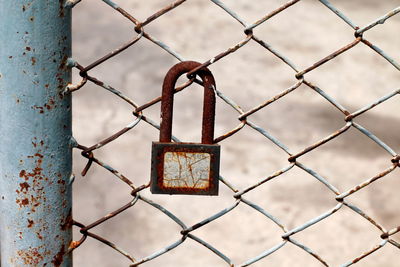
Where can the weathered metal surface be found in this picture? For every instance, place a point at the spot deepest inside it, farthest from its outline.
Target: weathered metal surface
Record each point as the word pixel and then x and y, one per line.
pixel 167 100
pixel 186 168
pixel 35 134
pixel 193 169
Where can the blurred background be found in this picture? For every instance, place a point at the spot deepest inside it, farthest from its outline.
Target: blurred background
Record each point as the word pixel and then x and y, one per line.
pixel 199 30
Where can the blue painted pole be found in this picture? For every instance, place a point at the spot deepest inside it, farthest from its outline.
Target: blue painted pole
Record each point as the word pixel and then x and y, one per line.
pixel 35 133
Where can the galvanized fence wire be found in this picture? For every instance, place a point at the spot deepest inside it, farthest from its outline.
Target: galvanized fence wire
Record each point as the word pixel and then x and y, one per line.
pixel 244 121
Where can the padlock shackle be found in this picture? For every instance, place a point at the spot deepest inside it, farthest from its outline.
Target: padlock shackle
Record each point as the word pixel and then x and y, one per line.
pixel 167 101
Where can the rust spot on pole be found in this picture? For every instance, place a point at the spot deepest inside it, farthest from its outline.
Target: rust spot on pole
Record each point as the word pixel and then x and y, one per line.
pixel 30 223
pixel 58 258
pixel 67 223
pixel 31 256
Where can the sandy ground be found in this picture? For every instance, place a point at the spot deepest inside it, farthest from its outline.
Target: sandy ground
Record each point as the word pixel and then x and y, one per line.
pixel 199 30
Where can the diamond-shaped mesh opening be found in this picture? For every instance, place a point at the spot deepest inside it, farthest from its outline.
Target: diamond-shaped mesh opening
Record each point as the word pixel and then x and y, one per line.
pixel 384 32
pixel 297 34
pixel 143 222
pixel 109 256
pixel 287 195
pixel 113 34
pixel 343 78
pixel 204 42
pixel 102 205
pixel 257 155
pixel 308 118
pixel 340 237
pixel 379 201
pixel 386 256
pixel 260 75
pixel 381 121
pixel 354 150
pixel 236 240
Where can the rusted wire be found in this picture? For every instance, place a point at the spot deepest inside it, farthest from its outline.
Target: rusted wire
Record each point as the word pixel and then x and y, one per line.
pixel 245 121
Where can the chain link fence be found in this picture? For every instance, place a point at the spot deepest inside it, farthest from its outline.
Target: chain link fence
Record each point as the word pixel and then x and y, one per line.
pixel 244 116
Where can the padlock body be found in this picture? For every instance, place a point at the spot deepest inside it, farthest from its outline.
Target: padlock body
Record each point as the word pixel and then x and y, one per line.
pixel 184 168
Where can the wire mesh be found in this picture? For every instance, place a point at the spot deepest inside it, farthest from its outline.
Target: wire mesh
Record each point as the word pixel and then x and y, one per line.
pixel 244 121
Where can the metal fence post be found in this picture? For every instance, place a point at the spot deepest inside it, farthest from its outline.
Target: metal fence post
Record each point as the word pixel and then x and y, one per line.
pixel 35 133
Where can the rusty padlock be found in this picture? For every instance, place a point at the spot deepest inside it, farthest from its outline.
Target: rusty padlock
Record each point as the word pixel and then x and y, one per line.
pixel 186 168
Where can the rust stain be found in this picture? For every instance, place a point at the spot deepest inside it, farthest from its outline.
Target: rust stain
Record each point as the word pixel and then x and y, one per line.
pixel 60 81
pixel 31 256
pixel 167 100
pixel 33 59
pixel 61 8
pixel 24 187
pixel 63 64
pixel 24 202
pixel 35 143
pixel 59 257
pixel 39 108
pixel 50 104
pixel 22 173
pixel 32 184
pixel 39 236
pixel 30 223
pixel 67 223
pixel 74 244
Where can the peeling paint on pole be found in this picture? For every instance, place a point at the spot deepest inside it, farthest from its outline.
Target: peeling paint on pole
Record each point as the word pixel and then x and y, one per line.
pixel 35 133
